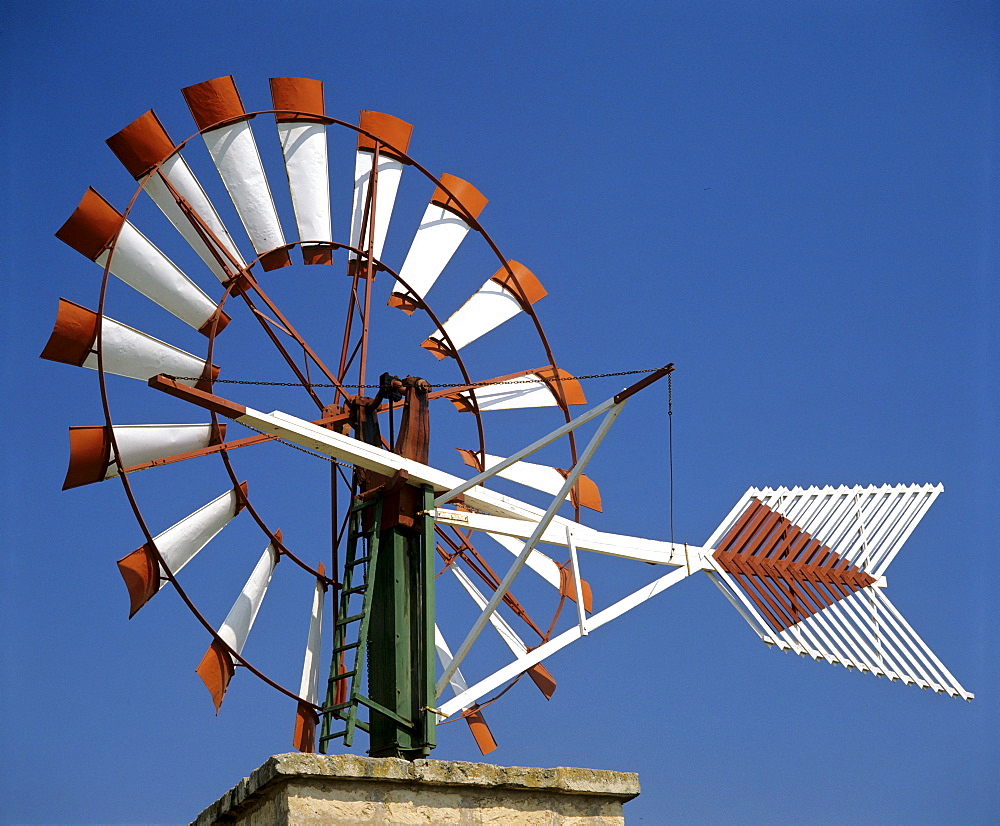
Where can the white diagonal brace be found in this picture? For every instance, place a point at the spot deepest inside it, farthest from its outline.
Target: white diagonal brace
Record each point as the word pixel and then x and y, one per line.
pixel 536 655
pixel 613 412
pixel 502 627
pixel 583 418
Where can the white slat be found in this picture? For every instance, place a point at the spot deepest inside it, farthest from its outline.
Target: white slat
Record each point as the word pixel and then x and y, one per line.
pixel 183 180
pixel 438 237
pixel 502 627
pixel 441 232
pixel 309 684
pixel 135 355
pixel 141 265
pixel 235 155
pixel 538 477
pixel 390 171
pixel 239 621
pixel 518 392
pixel 140 443
pixel 225 127
pixel 95 227
pixel 507 293
pixel 144 145
pixel 304 148
pixel 181 542
pixel 300 116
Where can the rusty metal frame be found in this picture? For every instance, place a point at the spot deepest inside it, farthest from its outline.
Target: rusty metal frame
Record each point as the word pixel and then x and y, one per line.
pixel 242 283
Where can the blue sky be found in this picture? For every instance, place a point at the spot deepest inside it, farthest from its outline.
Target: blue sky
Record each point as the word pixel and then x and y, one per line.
pixel 794 202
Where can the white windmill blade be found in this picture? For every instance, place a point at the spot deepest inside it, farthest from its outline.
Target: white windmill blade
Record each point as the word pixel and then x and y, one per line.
pixel 216 107
pixel 441 232
pixel 217 667
pixel 301 123
pixel 91 458
pixel 802 565
pixel 306 717
pixel 473 716
pixel 126 351
pixel 511 289
pixel 91 230
pixel 540 675
pixel 144 145
pixel 393 137
pixel 177 546
pixel 543 387
pixel 309 685
pixel 539 477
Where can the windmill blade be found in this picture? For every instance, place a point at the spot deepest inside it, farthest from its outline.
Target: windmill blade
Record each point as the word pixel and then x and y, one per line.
pixel 302 134
pixel 473 716
pixel 545 387
pixel 177 546
pixel 144 145
pixel 441 232
pixel 509 291
pixel 91 457
pixel 539 477
pixel 393 137
pixel 306 717
pixel 127 352
pixel 217 667
pixel 818 594
pixel 216 107
pixel 539 674
pixel 91 230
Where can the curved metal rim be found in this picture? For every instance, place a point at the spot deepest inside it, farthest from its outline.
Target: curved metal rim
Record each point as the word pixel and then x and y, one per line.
pixel 421 303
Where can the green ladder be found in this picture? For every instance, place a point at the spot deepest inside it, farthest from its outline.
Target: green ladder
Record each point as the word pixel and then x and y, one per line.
pixel 343 694
pixel 389 570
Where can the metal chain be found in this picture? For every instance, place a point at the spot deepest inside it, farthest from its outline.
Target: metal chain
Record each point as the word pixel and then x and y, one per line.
pixel 461 384
pixel 670 447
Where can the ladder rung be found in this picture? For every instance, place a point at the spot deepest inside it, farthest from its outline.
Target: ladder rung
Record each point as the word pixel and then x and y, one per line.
pixel 341 676
pixel 334 709
pixel 338 648
pixel 358 561
pixel 358 589
pixel 360 724
pixel 346 620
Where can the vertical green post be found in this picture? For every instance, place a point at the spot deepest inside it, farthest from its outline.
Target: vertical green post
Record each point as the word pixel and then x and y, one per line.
pixel 401 665
pixel 427 667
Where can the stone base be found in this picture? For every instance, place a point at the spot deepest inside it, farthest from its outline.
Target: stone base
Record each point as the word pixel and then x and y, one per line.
pixel 309 790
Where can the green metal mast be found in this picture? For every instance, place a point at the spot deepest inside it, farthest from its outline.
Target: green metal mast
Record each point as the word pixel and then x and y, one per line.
pixel 385 616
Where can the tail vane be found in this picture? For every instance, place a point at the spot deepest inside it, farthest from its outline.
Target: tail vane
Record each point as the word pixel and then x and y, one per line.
pixel 804 567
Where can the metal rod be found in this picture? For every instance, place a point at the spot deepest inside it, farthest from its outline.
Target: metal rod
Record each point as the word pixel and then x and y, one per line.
pixel 571 478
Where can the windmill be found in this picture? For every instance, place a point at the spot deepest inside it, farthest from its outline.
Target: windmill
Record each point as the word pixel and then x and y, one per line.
pixel 422 579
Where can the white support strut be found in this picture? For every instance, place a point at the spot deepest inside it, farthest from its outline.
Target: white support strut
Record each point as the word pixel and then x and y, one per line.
pixel 543 523
pixel 581 612
pixel 536 655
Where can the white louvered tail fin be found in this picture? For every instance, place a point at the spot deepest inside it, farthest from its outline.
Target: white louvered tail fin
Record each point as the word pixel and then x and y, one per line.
pixel 804 567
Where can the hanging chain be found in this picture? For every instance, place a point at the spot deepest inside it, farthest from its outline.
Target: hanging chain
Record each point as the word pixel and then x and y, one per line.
pixel 375 386
pixel 670 447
